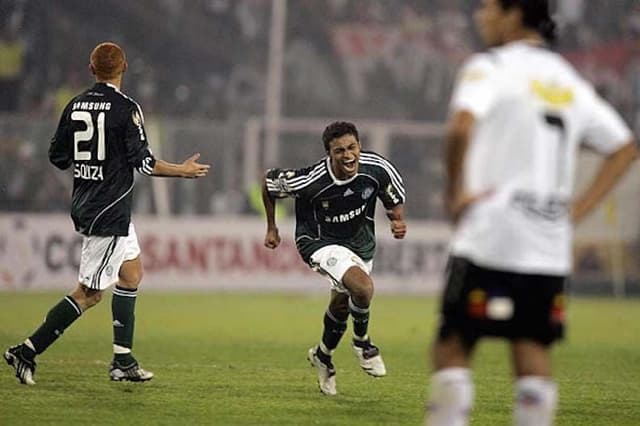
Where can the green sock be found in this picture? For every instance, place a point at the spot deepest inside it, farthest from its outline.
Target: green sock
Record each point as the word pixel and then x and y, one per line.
pixel 58 319
pixel 123 305
pixel 333 330
pixel 360 315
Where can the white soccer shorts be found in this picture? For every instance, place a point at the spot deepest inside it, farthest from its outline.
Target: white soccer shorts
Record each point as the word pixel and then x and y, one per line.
pixel 102 258
pixel 333 261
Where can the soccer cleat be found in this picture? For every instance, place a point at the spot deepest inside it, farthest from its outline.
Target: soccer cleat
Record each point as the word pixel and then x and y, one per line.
pixel 326 373
pixel 131 373
pixel 25 366
pixel 370 358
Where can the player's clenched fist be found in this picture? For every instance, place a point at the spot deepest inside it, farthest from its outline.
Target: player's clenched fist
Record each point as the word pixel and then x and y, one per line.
pixel 272 239
pixel 398 229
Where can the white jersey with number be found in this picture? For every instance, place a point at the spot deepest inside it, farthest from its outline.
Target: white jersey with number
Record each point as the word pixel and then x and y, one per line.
pixel 532 111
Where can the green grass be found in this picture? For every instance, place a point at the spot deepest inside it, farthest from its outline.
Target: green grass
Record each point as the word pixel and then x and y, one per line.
pixel 240 359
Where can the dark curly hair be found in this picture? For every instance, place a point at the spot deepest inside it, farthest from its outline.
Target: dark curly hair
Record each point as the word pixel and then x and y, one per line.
pixel 336 130
pixel 535 15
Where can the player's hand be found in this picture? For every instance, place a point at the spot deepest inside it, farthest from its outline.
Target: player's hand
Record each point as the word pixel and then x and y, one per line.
pixel 272 239
pixel 457 205
pixel 398 229
pixel 192 169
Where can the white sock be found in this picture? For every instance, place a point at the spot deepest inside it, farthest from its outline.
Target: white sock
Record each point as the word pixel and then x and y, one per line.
pixel 536 401
pixel 117 349
pixel 29 344
pixel 451 398
pixel 325 350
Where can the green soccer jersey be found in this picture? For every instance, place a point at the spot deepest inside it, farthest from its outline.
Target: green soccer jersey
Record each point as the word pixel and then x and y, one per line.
pixel 331 211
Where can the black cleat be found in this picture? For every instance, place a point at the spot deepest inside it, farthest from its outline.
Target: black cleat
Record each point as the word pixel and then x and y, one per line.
pixel 369 358
pixel 24 365
pixel 131 373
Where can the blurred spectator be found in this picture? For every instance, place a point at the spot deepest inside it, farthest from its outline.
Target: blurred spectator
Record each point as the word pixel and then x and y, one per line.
pixel 207 61
pixel 570 17
pixel 391 59
pixel 12 55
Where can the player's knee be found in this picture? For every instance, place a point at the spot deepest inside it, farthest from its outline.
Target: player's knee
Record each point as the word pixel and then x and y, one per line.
pixel 364 289
pixel 359 284
pixel 94 298
pixel 450 352
pixel 86 297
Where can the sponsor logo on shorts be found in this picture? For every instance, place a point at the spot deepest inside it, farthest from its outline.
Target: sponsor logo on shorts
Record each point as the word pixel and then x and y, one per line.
pixel 557 309
pixel 332 261
pixel 109 270
pixel 477 303
pixel 500 308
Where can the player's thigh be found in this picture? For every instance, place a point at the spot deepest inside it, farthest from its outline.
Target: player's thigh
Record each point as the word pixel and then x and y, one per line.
pixel 455 322
pixel 131 271
pixel 531 358
pixel 334 261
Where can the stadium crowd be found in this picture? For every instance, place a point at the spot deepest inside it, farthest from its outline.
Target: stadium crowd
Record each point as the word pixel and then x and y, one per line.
pixel 206 60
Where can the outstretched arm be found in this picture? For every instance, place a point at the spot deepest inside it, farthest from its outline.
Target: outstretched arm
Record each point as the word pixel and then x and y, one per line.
pixel 611 169
pixel 189 168
pixel 398 226
pixel 272 238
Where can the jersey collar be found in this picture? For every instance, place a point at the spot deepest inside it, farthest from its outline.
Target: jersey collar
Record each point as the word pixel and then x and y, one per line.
pixel 529 43
pixel 108 85
pixel 335 179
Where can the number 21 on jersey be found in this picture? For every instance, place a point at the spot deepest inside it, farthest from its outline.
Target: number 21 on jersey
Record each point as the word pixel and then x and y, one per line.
pixel 81 170
pixel 87 135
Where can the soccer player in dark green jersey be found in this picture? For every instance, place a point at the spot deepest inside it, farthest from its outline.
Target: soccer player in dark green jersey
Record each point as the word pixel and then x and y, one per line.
pixel 101 134
pixel 335 234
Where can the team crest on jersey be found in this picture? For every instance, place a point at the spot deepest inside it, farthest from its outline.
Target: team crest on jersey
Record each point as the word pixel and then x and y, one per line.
pixel 367 192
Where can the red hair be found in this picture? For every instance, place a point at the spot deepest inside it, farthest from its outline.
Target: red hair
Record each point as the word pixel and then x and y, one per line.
pixel 107 61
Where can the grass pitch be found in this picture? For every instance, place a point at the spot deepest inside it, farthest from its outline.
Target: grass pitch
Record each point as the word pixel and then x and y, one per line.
pixel 232 359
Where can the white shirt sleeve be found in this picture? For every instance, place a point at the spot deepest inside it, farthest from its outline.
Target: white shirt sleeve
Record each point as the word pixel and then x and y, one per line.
pixel 604 131
pixel 475 89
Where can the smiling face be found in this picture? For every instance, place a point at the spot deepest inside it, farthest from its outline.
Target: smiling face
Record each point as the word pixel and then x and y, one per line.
pixel 344 153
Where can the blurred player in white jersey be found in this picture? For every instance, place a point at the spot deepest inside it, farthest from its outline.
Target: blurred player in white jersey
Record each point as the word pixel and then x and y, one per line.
pixel 518 115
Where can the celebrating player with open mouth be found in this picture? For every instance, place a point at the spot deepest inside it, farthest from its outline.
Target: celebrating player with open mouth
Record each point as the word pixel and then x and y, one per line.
pixel 335 208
